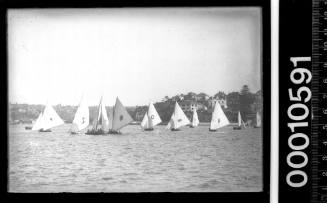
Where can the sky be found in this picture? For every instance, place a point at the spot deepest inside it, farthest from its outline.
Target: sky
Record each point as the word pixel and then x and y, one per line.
pixel 136 54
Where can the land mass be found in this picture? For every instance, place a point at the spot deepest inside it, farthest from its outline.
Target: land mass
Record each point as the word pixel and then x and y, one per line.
pixel 244 101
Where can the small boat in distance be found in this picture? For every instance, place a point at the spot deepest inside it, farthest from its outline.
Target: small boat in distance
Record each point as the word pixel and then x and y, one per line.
pixel 178 119
pixel 120 118
pixel 218 118
pixel 195 119
pixel 258 119
pixel 28 127
pixel 101 124
pixel 241 123
pixel 81 119
pixel 151 118
pixel 47 120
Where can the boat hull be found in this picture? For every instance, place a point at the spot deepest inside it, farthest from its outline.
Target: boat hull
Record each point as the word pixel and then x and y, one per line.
pixel 212 130
pixel 148 129
pixel 114 132
pixel 95 132
pixel 256 126
pixel 237 128
pixel 175 129
pixel 48 130
pixel 75 133
pixel 28 128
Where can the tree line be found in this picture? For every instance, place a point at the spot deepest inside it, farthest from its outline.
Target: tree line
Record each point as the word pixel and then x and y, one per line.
pixel 245 101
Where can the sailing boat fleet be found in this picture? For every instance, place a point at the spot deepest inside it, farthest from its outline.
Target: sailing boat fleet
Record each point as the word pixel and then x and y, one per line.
pixel 119 118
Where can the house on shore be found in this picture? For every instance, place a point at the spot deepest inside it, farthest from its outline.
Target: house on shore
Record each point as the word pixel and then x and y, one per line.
pixel 189 105
pixel 212 101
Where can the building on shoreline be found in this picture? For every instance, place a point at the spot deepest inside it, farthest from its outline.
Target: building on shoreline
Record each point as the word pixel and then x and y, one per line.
pixel 189 105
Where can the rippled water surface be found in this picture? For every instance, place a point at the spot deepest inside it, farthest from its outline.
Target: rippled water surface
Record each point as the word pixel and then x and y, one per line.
pixel 189 160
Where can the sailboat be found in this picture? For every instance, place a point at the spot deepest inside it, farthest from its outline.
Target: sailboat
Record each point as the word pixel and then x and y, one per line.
pixel 151 118
pixel 47 120
pixel 218 118
pixel 101 124
pixel 258 119
pixel 178 119
pixel 81 119
pixel 240 122
pixel 120 118
pixel 195 119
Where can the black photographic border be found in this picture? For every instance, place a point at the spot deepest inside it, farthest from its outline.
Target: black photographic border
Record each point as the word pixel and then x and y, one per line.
pixel 202 196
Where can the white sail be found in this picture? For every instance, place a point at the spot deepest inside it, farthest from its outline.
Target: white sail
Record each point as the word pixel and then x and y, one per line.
pixel 178 118
pixel 121 117
pixel 151 118
pixel 50 118
pixel 218 118
pixel 239 119
pixel 258 120
pixel 38 123
pixel 81 119
pixel 102 121
pixel 195 119
pixel 145 121
pixel 110 117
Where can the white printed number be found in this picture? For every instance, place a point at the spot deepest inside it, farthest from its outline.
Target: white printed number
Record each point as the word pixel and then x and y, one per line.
pixel 300 75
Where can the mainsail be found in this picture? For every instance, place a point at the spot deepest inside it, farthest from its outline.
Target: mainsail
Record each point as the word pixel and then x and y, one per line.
pixel 121 117
pixel 240 120
pixel 258 119
pixel 178 118
pixel 111 113
pixel 38 123
pixel 47 119
pixel 151 118
pixel 102 121
pixel 195 119
pixel 81 119
pixel 218 118
pixel 50 118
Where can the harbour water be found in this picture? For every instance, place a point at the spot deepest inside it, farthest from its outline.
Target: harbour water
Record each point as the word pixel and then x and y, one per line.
pixel 190 160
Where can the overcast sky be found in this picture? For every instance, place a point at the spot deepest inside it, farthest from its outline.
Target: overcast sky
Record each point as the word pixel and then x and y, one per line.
pixel 139 55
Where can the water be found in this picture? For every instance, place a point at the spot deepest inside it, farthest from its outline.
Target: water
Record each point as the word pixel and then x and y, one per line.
pixel 190 160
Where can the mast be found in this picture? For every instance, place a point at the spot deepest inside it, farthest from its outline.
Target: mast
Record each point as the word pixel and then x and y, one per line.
pixel 113 115
pixel 99 113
